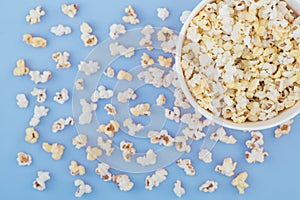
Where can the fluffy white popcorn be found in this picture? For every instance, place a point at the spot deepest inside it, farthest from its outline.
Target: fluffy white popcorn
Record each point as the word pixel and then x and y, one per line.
pixel 146 41
pixel 161 137
pixel 118 49
pixel 132 127
pixel 33 41
pixel 153 76
pixel 105 145
pixel 87 38
pixel 173 114
pixel 283 129
pixel 256 141
pixel 164 34
pixel 101 93
pixel 61 59
pixel 102 171
pixel 161 100
pixel 32 135
pixel 21 69
pixel 192 120
pixel 221 135
pixel 181 143
pixel 109 129
pixel 131 17
pixel 40 94
pixel 180 99
pixel 116 30
pixel 164 61
pixel 69 9
pixel 126 95
pixel 79 84
pixel 205 155
pixel 256 154
pixel 240 182
pixel 76 169
pixel 148 159
pixel 111 110
pixel 39 112
pixel 127 150
pixel 61 123
pixel 227 168
pixel 186 164
pixel 79 141
pixel 56 150
pixel 82 188
pixel 146 60
pixel 62 96
pixel 60 30
pixel 184 16
pixel 123 182
pixel 158 177
pixel 89 67
pixel 24 159
pixel 40 181
pixel 209 186
pixel 123 75
pixel 162 13
pixel 22 100
pixel 87 112
pixel 38 77
pixel 141 109
pixel 110 72
pixel 92 153
pixel 178 189
pixel 35 15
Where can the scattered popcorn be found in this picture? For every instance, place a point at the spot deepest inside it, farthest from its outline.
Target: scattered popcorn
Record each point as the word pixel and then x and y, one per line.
pixel 164 62
pixel 209 186
pixel 116 30
pixel 162 138
pixel 186 164
pixel 93 153
pixel 55 149
pixel 127 150
pixel 87 108
pixel 146 60
pixel 239 182
pixel 70 9
pixel 181 144
pixel 131 17
pixel 62 60
pixel 60 30
pixel 34 41
pixel 110 72
pixel 132 127
pixel 161 100
pixel 101 93
pixel 148 159
pixel 24 159
pixel 22 100
pixel 141 109
pixel 158 177
pixel 76 169
pixel 39 111
pixel 184 16
pixel 162 13
pixel 205 155
pixel 283 129
pixel 164 34
pixel 79 141
pixel 173 114
pixel 109 129
pixel 82 188
pixel 126 95
pixel 89 67
pixel 35 15
pixel 221 135
pixel 118 49
pixel 256 141
pixel 79 84
pixel 32 135
pixel 178 189
pixel 153 76
pixel 60 124
pixel 146 41
pixel 111 110
pixel 227 168
pixel 40 94
pixel 106 145
pixel 102 171
pixel 123 75
pixel 123 182
pixel 180 99
pixel 40 181
pixel 21 69
pixel 257 154
pixel 62 96
pixel 37 77
pixel 87 38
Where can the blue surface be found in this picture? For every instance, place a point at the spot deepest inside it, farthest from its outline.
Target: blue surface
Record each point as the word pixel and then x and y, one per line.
pixel 276 179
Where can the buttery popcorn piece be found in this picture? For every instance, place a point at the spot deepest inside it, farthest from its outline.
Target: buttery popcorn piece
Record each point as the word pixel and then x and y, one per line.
pixel 141 109
pixel 102 171
pixel 70 9
pixel 240 182
pixel 161 137
pixel 227 168
pixel 132 127
pixel 148 159
pixel 127 150
pixel 87 38
pixel 158 177
pixel 76 169
pixel 186 164
pixel 110 72
pixel 62 96
pixel 146 41
pixel 116 30
pixel 178 189
pixel 32 135
pixel 256 154
pixel 181 143
pixel 256 141
pixel 93 153
pixel 184 16
pixel 105 145
pixel 126 95
pixel 89 67
pixel 283 129
pixel 221 135
pixel 35 15
pixel 40 94
pixel 22 100
pixel 24 159
pixel 209 186
pixel 37 77
pixel 21 69
pixel 131 17
pixel 205 155
pixel 111 110
pixel 34 41
pixel 60 30
pixel 123 75
pixel 162 13
pixel 123 182
pixel 109 129
pixel 101 93
pixel 62 60
pixel 61 123
pixel 146 60
pixel 82 188
pixel 55 149
pixel 40 181
pixel 86 108
pixel 164 62
pixel 79 141
pixel 79 84
pixel 39 112
pixel 161 100
pixel 173 114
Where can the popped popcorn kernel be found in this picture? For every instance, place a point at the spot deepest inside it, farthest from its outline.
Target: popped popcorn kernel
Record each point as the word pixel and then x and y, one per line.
pixel 162 13
pixel 131 17
pixel 123 75
pixel 178 189
pixel 165 62
pixel 109 129
pixel 70 9
pixel 22 101
pixel 87 112
pixel 89 68
pixel 62 60
pixel 146 60
pixel 161 137
pixel 173 114
pixel 118 49
pixel 102 171
pixel 227 168
pixel 116 30
pixel 110 72
pixel 256 154
pixel 127 150
pixel 37 77
pixel 148 159
pixel 156 179
pixel 184 16
pixel 76 169
pixel 92 153
pixel 105 145
pixel 283 129
pixel 24 159
pixel 126 95
pixel 186 164
pixel 221 135
pixel 40 94
pixel 62 96
pixel 87 38
pixel 35 42
pixel 32 135
pixel 39 112
pixel 141 109
pixel 21 69
pixel 209 186
pixel 205 155
pixel 146 41
pixel 181 143
pixel 256 141
pixel 35 15
pixel 240 182
pixel 111 110
pixel 161 100
pixel 79 84
pixel 132 127
pixel 40 182
pixel 61 123
pixel 101 93
pixel 60 30
pixel 123 182
pixel 79 141
pixel 82 188
pixel 55 149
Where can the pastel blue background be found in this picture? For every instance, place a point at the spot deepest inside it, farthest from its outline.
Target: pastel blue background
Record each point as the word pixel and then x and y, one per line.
pixel 276 179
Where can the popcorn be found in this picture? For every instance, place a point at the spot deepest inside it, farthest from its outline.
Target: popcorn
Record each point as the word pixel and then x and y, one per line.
pixel 24 159
pixel 79 141
pixel 126 95
pixel 283 129
pixel 40 181
pixel 62 96
pixel 117 49
pixel 102 171
pixel 158 177
pixel 34 41
pixel 180 99
pixel 146 41
pixel 60 124
pixel 146 60
pixel 131 16
pixel 40 94
pixel 181 144
pixel 55 149
pixel 162 138
pixel 256 141
pixel 116 30
pixel 205 155
pixel 141 109
pixel 239 182
pixel 87 38
pixel 123 182
pixel 89 67
pixel 127 150
pixel 101 93
pixel 82 188
pixel 123 75
pixel 39 111
pixel 93 153
pixel 153 76
pixel 62 60
pixel 35 15
pixel 22 101
pixel 184 16
pixel 76 169
pixel 162 13
pixel 186 164
pixel 60 30
pixel 164 62
pixel 220 134
pixel 148 159
pixel 192 120
pixel 111 110
pixel 110 72
pixel 227 168
pixel 209 186
pixel 178 189
pixel 164 34
pixel 21 69
pixel 132 127
pixel 257 154
pixel 37 77
pixel 79 84
pixel 87 108
pixel 109 129
pixel 69 9
pixel 161 100
pixel 173 114
pixel 32 135
pixel 106 145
